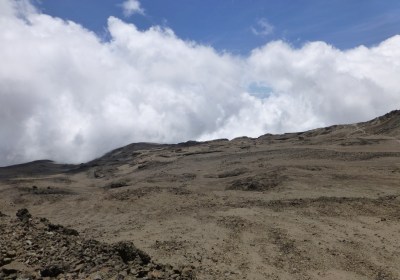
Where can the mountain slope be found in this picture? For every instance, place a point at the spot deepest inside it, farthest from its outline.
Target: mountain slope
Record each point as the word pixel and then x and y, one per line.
pixel 320 204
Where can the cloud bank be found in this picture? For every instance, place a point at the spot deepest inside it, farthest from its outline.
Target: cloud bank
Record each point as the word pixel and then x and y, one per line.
pixel 67 95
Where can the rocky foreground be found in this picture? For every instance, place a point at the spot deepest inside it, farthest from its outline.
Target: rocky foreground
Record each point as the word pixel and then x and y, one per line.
pixel 34 248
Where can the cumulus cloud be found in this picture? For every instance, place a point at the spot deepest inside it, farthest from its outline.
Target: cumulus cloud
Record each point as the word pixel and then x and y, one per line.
pixel 263 28
pixel 130 7
pixel 69 96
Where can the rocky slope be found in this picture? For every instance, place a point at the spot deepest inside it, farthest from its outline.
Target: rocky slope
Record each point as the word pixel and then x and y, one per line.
pixel 320 204
pixel 34 248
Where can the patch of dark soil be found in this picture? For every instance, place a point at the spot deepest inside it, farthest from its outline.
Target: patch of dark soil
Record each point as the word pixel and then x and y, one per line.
pixel 152 165
pixel 172 178
pixel 117 184
pixel 360 142
pixel 263 182
pixel 133 194
pixel 65 180
pixel 179 191
pixel 233 173
pixel 56 254
pixel 383 275
pixel 387 206
pixel 105 171
pixel 170 247
pixel 187 177
pixel 351 156
pixel 316 153
pixel 291 257
pixel 280 239
pixel 234 223
pixel 202 152
pixel 310 167
pixel 46 190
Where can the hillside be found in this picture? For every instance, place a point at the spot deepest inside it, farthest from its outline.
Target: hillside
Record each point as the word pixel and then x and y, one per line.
pixel 320 204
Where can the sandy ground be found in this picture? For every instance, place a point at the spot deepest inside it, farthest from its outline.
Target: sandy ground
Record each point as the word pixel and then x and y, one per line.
pixel 323 204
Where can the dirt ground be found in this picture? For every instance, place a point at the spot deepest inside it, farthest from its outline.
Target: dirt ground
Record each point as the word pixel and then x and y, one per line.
pixel 322 204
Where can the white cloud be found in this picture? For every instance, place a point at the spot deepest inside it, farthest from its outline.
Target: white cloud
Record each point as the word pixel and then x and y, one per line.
pixel 19 8
pixel 68 96
pixel 130 7
pixel 263 28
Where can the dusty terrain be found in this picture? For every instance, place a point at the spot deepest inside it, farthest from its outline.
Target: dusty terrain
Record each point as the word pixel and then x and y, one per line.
pixel 321 204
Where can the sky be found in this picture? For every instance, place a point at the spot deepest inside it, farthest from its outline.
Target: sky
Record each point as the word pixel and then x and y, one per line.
pixel 239 26
pixel 79 78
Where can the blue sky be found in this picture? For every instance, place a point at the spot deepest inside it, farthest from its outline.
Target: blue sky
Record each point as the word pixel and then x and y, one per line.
pixel 237 25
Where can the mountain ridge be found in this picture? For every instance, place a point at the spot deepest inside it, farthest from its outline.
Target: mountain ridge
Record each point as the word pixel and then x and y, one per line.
pixel 387 125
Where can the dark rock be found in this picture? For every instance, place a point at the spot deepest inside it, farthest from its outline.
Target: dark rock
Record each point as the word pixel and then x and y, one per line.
pixel 120 277
pixel 23 214
pixel 128 252
pixel 189 143
pixel 98 174
pixel 44 220
pixel 61 229
pixel 9 271
pixel 5 261
pixel 142 274
pixel 116 185
pixel 51 271
pixel 11 254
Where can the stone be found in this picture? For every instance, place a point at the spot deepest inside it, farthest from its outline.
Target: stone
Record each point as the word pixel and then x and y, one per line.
pixel 59 254
pixel 11 254
pixel 51 271
pixel 23 214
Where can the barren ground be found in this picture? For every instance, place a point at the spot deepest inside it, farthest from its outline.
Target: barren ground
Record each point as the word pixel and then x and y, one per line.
pixel 322 204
